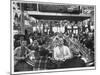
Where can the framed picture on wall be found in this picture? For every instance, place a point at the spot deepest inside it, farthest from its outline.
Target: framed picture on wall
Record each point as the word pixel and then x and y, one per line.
pixel 52 37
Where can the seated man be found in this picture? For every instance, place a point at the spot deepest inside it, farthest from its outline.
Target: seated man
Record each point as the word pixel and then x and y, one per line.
pixel 61 52
pixel 64 57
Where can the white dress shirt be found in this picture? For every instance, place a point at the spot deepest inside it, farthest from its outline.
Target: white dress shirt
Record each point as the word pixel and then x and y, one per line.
pixel 61 53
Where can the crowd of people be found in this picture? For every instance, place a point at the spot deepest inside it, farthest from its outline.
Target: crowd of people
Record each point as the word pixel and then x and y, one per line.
pixel 38 51
pixel 52 44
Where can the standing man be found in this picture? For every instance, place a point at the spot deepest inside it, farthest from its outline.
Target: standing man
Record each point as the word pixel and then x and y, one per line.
pixel 19 58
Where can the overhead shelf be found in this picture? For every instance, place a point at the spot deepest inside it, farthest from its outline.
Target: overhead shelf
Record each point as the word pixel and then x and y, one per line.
pixel 57 16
